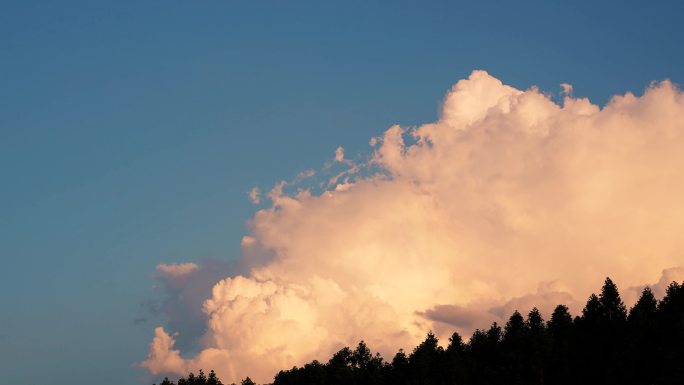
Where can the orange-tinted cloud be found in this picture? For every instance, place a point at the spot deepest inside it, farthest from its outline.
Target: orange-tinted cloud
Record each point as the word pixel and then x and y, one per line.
pixel 509 200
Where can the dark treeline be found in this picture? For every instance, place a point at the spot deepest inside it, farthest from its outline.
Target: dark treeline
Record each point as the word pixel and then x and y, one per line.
pixel 201 379
pixel 606 344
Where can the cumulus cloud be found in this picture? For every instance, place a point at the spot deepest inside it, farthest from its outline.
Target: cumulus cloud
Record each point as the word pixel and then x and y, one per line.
pixel 509 200
pixel 185 286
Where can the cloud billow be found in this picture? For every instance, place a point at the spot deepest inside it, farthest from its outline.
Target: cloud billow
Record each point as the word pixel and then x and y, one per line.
pixel 509 200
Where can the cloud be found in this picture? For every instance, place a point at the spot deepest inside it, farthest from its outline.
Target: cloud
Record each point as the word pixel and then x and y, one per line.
pixel 566 89
pixel 162 356
pixel 339 154
pixel 255 195
pixel 673 274
pixel 509 200
pixel 176 270
pixel 453 315
pixel 304 175
pixel 184 287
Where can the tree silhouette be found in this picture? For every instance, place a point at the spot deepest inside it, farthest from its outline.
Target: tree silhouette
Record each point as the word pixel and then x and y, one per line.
pixel 536 348
pixel 612 307
pixel 453 366
pixel 514 348
pixel 399 373
pixel 641 336
pixel 424 360
pixel 671 327
pixel 560 334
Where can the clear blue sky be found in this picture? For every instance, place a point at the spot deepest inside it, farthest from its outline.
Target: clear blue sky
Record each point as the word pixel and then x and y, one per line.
pixel 130 132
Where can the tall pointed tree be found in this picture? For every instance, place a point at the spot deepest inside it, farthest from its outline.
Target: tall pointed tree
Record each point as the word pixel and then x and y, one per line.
pixel 514 349
pixel 560 331
pixel 424 360
pixel 613 309
pixel 514 328
pixel 642 348
pixel 671 338
pixel 537 347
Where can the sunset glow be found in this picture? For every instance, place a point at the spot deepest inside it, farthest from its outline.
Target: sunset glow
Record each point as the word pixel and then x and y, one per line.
pixel 509 200
pixel 341 193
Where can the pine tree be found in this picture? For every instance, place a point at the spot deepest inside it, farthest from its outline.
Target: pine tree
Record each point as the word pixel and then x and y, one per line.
pixel 641 346
pixel 671 333
pixel 454 365
pixel 456 344
pixel 644 309
pixel 514 349
pixel 485 356
pixel 514 328
pixel 367 368
pixel 560 330
pixel 535 321
pixel 213 379
pixel 537 347
pixel 399 374
pixel 424 360
pixel 339 368
pixel 613 310
pixel 166 381
pixel 591 314
pixel 602 325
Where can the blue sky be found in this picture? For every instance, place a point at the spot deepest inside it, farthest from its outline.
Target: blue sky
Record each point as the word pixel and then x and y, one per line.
pixel 130 132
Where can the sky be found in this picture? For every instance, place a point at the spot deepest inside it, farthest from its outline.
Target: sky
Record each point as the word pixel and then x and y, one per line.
pixel 131 134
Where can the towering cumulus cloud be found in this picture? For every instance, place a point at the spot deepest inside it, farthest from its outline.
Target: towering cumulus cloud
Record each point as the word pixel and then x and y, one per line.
pixel 509 200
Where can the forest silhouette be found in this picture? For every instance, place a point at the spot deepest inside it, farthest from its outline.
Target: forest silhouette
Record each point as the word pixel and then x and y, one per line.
pixel 606 344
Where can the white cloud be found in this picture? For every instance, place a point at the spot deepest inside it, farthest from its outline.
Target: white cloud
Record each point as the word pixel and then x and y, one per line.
pixel 509 200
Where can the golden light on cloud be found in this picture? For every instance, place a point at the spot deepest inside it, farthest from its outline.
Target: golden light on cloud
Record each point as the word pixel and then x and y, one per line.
pixel 509 200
